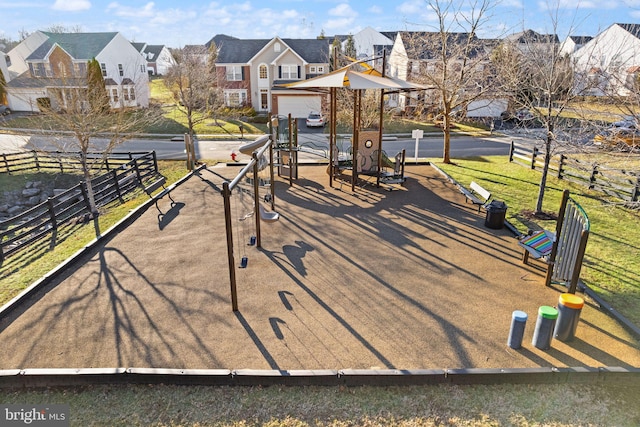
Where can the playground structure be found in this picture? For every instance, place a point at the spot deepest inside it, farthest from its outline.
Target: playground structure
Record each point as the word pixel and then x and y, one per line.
pixel 372 160
pixel 366 149
pixel 250 173
pixel 563 251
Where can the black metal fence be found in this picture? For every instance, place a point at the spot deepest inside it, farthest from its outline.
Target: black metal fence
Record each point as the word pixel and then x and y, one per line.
pixel 125 175
pixel 618 183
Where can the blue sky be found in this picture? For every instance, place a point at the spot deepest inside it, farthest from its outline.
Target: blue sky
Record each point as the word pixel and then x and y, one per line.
pixel 177 23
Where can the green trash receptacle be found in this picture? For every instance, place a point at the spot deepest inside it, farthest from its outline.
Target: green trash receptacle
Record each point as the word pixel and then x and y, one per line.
pixel 569 308
pixel 496 213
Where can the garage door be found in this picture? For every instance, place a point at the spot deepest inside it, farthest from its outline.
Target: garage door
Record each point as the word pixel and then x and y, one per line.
pixel 298 106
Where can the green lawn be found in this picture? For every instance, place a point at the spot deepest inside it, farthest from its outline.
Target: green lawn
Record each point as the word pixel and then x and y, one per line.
pixel 612 260
pixel 428 406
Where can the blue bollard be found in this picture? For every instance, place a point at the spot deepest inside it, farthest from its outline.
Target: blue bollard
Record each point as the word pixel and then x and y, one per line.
pixel 516 333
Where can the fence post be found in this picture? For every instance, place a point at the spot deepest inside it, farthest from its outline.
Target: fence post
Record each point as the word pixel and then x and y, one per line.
pixel 534 154
pixel 155 161
pixel 54 223
pixel 114 174
pixel 592 178
pixel 561 165
pixel 36 159
pixel 636 190
pixel 511 149
pixel 6 163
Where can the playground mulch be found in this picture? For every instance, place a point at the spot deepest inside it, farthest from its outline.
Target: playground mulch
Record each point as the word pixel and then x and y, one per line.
pixel 406 279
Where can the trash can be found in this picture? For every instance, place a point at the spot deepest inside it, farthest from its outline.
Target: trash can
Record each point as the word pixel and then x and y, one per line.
pixel 496 213
pixel 569 308
pixel 544 327
pixel 518 322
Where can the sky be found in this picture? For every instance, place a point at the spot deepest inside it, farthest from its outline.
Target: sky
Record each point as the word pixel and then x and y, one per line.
pixel 177 23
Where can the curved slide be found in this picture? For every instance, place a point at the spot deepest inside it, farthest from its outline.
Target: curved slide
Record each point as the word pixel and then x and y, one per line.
pixel 249 147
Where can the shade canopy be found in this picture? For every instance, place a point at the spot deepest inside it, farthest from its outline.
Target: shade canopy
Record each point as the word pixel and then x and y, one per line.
pixel 346 77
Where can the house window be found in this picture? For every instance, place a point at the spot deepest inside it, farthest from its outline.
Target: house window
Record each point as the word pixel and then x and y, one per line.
pixel 142 68
pixel 37 69
pixel 132 93
pixel 262 71
pixel 103 67
pixel 264 100
pixel 8 59
pixel 320 69
pixel 289 72
pixel 114 95
pixel 120 70
pixel 234 73
pixel 235 98
pixel 312 69
pixel 276 47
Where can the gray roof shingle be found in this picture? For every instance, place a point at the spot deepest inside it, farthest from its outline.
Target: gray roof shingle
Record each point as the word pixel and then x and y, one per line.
pixel 237 51
pixel 83 46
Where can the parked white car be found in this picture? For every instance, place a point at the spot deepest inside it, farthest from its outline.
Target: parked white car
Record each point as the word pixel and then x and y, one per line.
pixel 315 120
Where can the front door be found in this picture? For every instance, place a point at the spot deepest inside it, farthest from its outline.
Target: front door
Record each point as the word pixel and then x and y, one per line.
pixel 264 100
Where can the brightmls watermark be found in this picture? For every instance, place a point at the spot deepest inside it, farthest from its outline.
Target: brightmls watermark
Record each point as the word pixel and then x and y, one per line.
pixel 34 415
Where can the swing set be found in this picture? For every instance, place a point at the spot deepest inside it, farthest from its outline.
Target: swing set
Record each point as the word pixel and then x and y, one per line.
pixel 250 209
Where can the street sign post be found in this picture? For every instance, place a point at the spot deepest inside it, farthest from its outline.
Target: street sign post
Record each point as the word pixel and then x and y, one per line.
pixel 417 134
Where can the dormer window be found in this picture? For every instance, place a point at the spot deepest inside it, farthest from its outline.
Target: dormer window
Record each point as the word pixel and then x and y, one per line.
pixel 276 47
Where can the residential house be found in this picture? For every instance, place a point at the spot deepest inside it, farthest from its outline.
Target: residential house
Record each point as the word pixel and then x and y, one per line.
pixel 249 72
pixel 370 43
pixel 46 63
pixel 158 57
pixel 416 57
pixel 573 43
pixel 610 62
pixel 4 75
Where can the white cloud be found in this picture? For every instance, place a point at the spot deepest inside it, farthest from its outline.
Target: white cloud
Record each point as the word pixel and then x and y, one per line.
pixel 72 5
pixel 147 11
pixel 411 7
pixel 375 10
pixel 343 10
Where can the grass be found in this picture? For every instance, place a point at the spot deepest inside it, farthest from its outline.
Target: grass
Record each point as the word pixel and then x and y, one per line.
pixel 500 405
pixel 612 260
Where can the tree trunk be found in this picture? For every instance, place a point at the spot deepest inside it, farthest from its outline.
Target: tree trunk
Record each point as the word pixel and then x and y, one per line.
pixel 86 172
pixel 446 127
pixel 545 171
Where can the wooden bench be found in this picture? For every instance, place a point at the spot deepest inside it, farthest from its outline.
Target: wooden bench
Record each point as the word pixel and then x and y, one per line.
pixel 477 195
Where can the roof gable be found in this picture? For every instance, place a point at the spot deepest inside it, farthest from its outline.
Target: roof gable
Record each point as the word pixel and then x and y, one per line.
pixel 82 46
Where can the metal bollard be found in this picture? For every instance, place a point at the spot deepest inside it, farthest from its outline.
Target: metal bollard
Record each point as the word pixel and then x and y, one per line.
pixel 543 333
pixel 516 333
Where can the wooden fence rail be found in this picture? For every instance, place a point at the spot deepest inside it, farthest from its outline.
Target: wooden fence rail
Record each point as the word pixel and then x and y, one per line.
pixel 60 161
pixel 46 219
pixel 618 183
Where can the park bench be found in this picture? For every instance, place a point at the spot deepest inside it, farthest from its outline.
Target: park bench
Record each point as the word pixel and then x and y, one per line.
pixel 477 195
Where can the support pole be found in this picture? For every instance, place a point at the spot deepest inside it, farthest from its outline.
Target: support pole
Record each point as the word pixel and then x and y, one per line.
pixel 256 198
pixel 226 194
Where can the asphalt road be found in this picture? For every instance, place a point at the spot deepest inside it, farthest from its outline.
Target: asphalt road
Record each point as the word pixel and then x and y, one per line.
pixel 221 150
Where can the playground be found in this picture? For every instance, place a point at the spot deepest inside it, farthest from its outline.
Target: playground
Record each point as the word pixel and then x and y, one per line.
pixel 366 279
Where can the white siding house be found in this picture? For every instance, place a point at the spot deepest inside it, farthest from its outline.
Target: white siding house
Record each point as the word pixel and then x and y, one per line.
pixel 47 62
pixel 610 61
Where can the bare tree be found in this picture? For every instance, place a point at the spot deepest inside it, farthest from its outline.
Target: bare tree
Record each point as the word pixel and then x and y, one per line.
pixel 192 81
pixel 541 80
pixel 451 60
pixel 78 103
